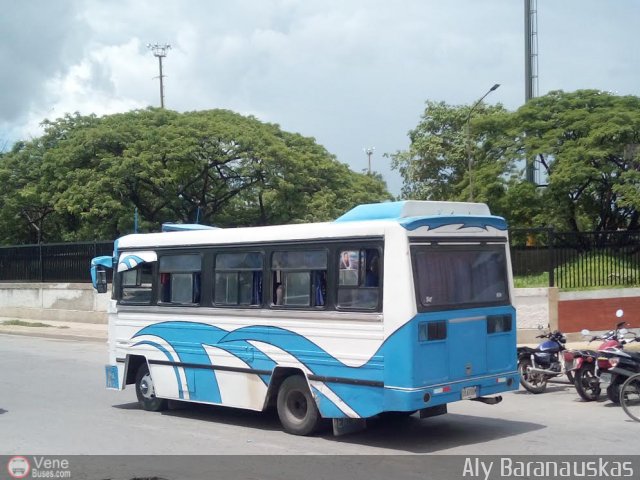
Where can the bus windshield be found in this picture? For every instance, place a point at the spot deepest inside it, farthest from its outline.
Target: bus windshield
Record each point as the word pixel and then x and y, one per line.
pixel 460 276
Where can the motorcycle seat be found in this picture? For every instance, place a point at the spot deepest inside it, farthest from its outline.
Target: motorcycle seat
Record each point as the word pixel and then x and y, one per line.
pixel 585 353
pixel 527 350
pixel 634 355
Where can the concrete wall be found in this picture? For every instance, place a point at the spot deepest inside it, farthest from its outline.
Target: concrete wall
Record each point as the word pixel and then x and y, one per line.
pixel 567 311
pixel 535 307
pixel 69 302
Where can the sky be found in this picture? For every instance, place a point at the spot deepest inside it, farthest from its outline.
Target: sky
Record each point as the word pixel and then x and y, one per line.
pixel 353 74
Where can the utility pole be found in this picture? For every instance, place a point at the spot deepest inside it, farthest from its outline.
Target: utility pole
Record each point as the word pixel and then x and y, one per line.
pixel 369 152
pixel 160 51
pixel 530 66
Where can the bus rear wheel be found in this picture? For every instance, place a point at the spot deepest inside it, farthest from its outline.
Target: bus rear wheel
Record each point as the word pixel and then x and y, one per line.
pixel 297 408
pixel 146 392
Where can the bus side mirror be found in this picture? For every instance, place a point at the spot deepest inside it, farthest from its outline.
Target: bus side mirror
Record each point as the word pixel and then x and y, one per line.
pixel 101 280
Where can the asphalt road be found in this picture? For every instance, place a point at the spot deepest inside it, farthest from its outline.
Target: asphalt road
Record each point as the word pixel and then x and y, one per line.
pixel 53 402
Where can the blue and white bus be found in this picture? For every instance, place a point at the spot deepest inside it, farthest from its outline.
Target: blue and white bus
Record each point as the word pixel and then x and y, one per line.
pixel 393 307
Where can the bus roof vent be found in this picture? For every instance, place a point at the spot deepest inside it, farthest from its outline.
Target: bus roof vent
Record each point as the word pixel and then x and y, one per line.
pixel 412 208
pixel 185 227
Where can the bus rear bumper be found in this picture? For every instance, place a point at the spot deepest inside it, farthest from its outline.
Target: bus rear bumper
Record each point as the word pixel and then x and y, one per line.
pixel 408 399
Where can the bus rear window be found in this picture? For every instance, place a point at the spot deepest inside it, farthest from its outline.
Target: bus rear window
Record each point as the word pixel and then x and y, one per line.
pixel 458 276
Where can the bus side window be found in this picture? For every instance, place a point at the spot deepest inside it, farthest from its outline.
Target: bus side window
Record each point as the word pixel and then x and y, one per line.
pixel 359 279
pixel 299 278
pixel 136 284
pixel 238 279
pixel 180 279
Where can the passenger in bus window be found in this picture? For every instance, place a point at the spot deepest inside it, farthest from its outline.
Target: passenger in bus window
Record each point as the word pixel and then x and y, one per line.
pixel 279 296
pixel 372 277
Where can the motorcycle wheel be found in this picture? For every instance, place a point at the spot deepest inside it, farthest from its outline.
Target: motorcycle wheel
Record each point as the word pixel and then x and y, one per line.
pixel 571 378
pixel 532 382
pixel 630 397
pixel 613 390
pixel 587 384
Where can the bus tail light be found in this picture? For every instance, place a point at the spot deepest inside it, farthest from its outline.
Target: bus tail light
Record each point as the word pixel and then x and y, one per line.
pixel 442 390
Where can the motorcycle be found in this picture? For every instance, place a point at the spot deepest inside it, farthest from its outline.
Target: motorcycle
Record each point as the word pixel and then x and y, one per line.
pixel 592 367
pixel 623 365
pixel 548 360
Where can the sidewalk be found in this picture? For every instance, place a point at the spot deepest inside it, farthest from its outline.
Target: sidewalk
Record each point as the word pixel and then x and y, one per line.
pixel 90 332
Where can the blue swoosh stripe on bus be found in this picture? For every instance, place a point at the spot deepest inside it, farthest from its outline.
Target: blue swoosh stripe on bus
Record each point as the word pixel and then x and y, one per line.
pixel 305 351
pixel 184 336
pixel 464 222
pixel 181 335
pixel 132 261
pixel 169 357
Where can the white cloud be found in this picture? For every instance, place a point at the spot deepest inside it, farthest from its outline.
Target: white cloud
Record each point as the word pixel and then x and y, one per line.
pixel 352 74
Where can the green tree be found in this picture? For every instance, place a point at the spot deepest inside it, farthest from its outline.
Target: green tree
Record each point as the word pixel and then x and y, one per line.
pixel 582 142
pixel 436 165
pixel 585 143
pixel 90 173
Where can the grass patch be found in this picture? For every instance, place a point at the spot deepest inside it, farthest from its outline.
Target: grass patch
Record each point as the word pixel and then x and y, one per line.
pixel 532 281
pixel 597 270
pixel 22 323
pixel 591 271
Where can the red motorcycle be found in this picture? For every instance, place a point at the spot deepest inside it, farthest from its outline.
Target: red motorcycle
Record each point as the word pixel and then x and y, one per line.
pixel 592 367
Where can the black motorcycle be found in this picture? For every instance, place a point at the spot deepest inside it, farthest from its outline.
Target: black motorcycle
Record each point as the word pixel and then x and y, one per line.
pixel 623 365
pixel 548 360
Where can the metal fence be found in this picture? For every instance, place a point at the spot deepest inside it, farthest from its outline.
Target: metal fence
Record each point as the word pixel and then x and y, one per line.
pixel 577 259
pixel 56 262
pixel 566 260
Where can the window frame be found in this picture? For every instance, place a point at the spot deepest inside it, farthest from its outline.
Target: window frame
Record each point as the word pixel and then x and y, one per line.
pixel 214 271
pixel 178 253
pixel 307 247
pixel 462 245
pixel 119 286
pixel 360 246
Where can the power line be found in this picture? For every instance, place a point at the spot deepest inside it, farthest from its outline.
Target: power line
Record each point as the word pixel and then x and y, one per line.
pixel 160 51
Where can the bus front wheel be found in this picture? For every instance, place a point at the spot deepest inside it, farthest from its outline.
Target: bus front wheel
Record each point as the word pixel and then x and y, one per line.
pixel 297 408
pixel 146 393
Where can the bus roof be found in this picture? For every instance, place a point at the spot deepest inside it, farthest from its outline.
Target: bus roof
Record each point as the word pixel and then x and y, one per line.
pixel 365 220
pixel 413 208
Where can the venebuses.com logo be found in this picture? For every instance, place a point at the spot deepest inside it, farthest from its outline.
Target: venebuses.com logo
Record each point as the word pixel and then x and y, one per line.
pixel 18 467
pixel 38 467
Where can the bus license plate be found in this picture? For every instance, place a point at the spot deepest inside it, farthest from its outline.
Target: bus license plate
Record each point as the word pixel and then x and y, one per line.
pixel 469 392
pixel 605 380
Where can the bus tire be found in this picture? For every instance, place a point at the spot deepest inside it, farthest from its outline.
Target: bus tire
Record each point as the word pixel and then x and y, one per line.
pixel 297 408
pixel 145 391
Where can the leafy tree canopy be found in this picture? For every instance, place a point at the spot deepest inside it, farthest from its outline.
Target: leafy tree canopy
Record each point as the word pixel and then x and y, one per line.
pixel 585 144
pixel 83 178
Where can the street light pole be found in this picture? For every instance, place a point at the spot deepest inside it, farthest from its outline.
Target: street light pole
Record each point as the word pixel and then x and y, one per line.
pixel 368 152
pixel 160 51
pixel 468 137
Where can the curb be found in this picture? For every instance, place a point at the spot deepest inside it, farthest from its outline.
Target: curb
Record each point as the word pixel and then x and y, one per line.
pixel 56 336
